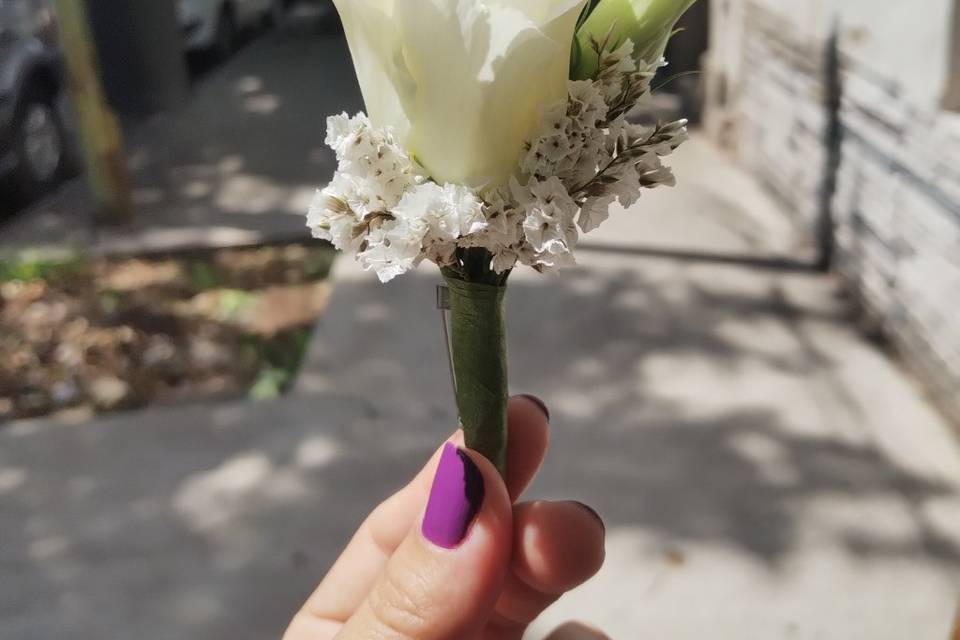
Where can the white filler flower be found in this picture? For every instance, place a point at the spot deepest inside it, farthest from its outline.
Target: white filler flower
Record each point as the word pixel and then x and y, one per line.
pixel 582 156
pixel 462 84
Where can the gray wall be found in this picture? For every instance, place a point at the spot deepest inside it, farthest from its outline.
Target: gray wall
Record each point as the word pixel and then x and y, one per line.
pixel 889 186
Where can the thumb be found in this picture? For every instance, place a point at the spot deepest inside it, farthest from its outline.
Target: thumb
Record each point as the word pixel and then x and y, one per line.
pixel 444 579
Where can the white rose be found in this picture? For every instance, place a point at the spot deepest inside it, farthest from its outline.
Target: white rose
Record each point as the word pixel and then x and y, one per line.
pixel 462 83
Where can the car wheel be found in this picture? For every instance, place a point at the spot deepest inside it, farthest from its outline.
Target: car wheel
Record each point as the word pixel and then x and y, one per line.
pixel 225 37
pixel 38 145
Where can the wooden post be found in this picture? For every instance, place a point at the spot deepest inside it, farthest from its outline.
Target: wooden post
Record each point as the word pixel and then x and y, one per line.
pixel 101 140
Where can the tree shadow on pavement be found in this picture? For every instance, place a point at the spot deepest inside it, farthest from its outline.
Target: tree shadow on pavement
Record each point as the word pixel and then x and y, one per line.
pixel 216 521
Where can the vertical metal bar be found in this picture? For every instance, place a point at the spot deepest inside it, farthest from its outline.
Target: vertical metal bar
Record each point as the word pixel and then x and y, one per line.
pixel 443 304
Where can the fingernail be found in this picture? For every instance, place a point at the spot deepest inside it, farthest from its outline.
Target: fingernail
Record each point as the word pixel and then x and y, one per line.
pixel 540 403
pixel 455 498
pixel 591 511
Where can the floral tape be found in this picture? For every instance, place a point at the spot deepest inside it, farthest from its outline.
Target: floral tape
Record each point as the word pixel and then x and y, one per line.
pixel 479 347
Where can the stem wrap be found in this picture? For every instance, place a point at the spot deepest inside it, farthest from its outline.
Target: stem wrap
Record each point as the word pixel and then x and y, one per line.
pixel 479 348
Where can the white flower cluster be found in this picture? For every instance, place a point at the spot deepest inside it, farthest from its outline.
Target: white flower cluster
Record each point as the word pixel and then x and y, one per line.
pixel 381 206
pixel 587 156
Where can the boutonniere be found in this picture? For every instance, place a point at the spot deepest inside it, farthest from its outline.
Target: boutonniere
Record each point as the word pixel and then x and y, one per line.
pixel 496 134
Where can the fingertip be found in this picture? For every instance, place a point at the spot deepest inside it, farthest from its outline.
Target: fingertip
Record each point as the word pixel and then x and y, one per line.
pixel 466 493
pixel 557 545
pixel 444 578
pixel 593 513
pixel 527 442
pixel 540 404
pixel 577 631
pixel 421 482
pixel 496 496
pixel 488 539
pixel 456 496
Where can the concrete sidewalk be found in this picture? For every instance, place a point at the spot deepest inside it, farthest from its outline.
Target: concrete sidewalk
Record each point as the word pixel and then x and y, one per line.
pixel 764 472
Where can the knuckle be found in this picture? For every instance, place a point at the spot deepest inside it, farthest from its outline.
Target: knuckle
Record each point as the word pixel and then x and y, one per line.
pixel 403 603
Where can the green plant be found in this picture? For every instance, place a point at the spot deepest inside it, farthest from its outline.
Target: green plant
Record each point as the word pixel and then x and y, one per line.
pixel 281 359
pixel 203 276
pixel 270 384
pixel 317 264
pixel 30 266
pixel 233 303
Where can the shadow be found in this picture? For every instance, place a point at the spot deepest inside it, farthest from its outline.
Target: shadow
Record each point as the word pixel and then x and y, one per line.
pixel 740 479
pixel 825 223
pixel 216 521
pixel 753 262
pixel 678 410
pixel 689 402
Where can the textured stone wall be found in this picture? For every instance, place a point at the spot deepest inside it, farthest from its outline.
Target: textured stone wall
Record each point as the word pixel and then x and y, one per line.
pixel 894 197
pixel 781 108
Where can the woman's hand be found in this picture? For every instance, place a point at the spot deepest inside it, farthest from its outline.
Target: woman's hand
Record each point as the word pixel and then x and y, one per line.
pixel 453 556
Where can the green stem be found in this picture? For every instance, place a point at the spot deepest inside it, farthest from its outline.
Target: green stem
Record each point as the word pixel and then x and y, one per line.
pixel 479 347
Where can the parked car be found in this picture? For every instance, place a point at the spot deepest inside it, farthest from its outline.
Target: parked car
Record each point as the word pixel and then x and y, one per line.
pixel 213 25
pixel 36 148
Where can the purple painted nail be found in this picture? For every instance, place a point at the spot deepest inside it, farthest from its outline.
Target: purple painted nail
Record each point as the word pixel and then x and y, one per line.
pixel 455 498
